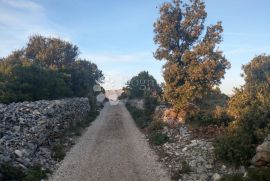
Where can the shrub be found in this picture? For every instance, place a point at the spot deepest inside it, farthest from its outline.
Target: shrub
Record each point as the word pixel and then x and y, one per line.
pixel 158 138
pixel 258 174
pixel 58 152
pixel 35 173
pixel 10 172
pixel 156 125
pixel 236 148
pixel 150 104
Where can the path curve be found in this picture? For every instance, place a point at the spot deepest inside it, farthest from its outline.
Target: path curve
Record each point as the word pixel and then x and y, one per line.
pixel 112 149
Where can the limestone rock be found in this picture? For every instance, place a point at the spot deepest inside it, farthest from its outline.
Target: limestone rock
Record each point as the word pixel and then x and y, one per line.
pixel 29 129
pixel 262 156
pixel 216 177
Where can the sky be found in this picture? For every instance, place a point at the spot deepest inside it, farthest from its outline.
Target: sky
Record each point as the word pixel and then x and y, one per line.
pixel 117 35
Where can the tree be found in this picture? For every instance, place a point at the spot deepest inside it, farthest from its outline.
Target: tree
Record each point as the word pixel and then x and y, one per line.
pixel 143 85
pixel 250 105
pixel 194 65
pixel 48 68
pixel 250 109
pixel 51 52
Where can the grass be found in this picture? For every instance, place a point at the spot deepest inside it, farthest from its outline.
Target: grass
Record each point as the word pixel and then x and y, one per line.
pixel 140 117
pixel 142 120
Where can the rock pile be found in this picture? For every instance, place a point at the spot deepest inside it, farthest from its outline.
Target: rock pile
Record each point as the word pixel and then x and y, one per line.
pixel 29 130
pixel 198 154
pixel 262 157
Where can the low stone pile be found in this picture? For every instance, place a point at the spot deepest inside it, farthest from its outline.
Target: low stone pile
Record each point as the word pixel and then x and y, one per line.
pixel 197 154
pixel 29 130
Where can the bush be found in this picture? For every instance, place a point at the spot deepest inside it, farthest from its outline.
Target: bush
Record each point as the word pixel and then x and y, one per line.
pixel 58 152
pixel 217 117
pixel 156 125
pixel 150 104
pixel 236 148
pixel 10 172
pixel 259 174
pixel 35 173
pixel 158 138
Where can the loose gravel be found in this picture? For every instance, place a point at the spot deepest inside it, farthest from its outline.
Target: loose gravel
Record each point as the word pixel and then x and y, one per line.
pixel 112 149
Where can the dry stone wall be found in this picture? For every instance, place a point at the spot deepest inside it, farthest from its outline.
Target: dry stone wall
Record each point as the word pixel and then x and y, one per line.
pixel 29 130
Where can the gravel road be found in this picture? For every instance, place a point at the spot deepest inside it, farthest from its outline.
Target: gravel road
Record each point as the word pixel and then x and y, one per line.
pixel 112 149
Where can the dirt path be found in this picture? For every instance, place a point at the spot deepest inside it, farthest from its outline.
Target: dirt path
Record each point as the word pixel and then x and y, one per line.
pixel 112 149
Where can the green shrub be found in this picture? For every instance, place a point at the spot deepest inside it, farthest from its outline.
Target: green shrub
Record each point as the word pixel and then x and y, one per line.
pixel 236 148
pixel 158 138
pixel 217 117
pixel 35 173
pixel 155 126
pixel 58 152
pixel 259 174
pixel 10 172
pixel 150 104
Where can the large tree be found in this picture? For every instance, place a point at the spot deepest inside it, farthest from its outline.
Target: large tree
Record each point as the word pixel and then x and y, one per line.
pixel 194 64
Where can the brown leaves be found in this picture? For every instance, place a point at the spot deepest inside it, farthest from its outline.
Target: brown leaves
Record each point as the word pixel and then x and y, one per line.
pixel 194 64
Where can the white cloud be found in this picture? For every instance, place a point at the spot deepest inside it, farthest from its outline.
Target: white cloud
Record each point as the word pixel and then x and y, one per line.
pixel 20 19
pixel 23 4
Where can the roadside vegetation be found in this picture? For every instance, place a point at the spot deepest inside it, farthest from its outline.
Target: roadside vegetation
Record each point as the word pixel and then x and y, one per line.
pixel 145 87
pixel 35 173
pixel 193 69
pixel 47 68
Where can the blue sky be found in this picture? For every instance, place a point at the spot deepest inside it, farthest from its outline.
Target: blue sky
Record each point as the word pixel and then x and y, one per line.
pixel 118 35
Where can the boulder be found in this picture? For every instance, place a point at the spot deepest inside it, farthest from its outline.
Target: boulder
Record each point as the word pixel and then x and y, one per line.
pixel 216 177
pixel 262 157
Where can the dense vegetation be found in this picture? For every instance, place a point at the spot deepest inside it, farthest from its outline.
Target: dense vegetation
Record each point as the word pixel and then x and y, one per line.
pixel 141 86
pixel 47 68
pixel 145 87
pixel 249 109
pixel 194 65
pixel 193 69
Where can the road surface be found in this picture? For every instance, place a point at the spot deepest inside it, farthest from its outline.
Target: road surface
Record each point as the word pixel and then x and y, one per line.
pixel 112 149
